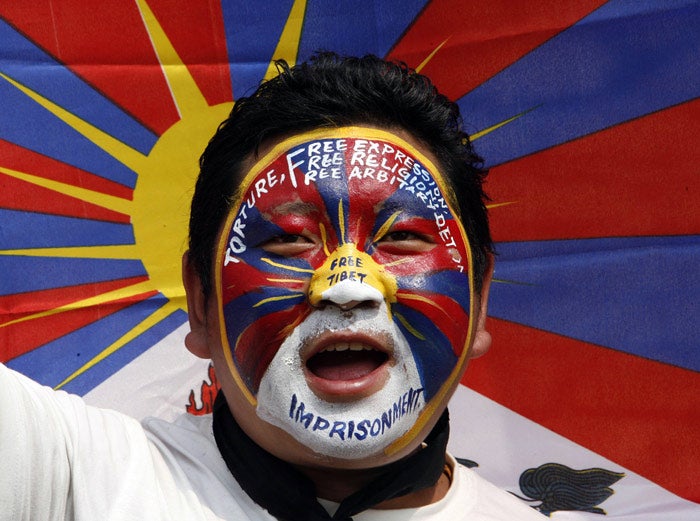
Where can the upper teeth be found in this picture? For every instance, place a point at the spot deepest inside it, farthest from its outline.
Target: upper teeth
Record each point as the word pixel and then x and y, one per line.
pixel 348 346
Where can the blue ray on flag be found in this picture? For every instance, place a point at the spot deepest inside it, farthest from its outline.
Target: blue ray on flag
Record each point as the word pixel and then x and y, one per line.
pixel 252 31
pixel 618 293
pixel 29 65
pixel 114 362
pixel 356 28
pixel 26 123
pixel 625 60
pixel 33 230
pixel 53 362
pixel 39 273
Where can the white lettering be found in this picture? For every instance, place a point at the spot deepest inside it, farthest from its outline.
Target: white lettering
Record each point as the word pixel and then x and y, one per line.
pixel 291 166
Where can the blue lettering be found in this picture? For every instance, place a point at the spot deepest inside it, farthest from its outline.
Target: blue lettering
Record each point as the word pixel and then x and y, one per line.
pixel 293 406
pixel 351 428
pixel 406 403
pixel 386 420
pixel 302 417
pixel 321 424
pixel 376 427
pixel 361 433
pixel 339 429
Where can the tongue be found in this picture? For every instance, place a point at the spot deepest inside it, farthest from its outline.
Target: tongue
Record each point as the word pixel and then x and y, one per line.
pixel 345 365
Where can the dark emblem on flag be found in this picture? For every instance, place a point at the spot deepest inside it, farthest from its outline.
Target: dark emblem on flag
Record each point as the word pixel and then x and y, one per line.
pixel 467 463
pixel 559 487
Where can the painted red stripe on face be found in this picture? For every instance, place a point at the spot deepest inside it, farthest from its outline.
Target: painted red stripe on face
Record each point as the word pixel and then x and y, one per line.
pixel 250 277
pixel 444 312
pixel 259 343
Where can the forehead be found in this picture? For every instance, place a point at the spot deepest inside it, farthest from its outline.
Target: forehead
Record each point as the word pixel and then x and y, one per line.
pixel 348 162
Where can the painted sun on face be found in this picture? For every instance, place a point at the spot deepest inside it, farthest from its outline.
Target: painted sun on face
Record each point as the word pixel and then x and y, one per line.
pixel 343 284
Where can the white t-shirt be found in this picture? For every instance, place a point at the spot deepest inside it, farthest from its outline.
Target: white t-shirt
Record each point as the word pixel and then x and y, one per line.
pixel 61 459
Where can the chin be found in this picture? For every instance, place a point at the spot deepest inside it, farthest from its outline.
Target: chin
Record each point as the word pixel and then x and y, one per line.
pixel 344 387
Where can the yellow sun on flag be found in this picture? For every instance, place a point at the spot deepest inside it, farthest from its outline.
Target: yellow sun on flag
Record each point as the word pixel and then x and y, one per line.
pixel 159 209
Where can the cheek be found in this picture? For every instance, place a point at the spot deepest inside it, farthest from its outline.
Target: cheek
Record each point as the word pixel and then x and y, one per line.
pixel 262 302
pixel 259 342
pixel 433 312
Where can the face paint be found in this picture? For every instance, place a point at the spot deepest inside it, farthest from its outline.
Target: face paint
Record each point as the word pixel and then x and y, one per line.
pixel 344 290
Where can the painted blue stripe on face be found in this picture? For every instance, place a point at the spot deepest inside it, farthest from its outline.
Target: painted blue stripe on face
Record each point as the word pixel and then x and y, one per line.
pixel 257 231
pixel 241 312
pixel 433 354
pixel 331 185
pixel 450 283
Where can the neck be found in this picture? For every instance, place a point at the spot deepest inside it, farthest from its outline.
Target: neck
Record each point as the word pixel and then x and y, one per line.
pixel 337 484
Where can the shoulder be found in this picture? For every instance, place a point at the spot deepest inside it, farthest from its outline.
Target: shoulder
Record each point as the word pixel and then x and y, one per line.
pixel 162 470
pixel 470 498
pixel 189 456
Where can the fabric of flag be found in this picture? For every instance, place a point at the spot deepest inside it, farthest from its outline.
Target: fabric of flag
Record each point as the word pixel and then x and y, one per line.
pixel 585 113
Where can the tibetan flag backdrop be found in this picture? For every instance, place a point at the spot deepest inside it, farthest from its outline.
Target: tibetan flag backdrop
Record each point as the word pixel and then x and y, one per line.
pixel 587 113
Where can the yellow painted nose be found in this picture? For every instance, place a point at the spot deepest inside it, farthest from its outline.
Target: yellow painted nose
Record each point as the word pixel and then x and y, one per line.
pixel 350 275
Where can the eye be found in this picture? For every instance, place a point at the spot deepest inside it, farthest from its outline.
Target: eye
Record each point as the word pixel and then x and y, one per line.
pixel 400 236
pixel 289 238
pixel 288 244
pixel 405 241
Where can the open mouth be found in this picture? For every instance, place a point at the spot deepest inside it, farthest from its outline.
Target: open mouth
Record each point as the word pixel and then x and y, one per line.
pixel 346 361
pixel 347 367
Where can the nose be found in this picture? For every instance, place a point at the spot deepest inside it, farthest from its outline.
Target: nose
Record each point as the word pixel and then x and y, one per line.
pixel 349 294
pixel 350 278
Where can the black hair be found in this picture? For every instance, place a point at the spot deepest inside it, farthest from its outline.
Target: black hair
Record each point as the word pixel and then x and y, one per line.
pixel 334 91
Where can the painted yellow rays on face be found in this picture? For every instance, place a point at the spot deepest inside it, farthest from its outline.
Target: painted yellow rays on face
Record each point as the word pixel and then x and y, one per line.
pixel 348 264
pixel 341 216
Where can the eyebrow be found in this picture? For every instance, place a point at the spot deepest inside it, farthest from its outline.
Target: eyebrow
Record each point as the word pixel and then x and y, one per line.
pixel 295 207
pixel 400 207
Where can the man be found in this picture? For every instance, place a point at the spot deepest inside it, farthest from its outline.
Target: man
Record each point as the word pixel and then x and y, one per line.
pixel 337 276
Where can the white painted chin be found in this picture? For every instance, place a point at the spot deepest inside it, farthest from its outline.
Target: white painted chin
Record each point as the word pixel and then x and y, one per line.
pixel 344 429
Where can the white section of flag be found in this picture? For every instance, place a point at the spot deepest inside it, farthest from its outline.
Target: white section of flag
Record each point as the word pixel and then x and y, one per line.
pixel 157 383
pixel 505 444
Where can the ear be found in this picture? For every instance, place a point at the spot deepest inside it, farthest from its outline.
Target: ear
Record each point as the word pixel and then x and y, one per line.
pixel 482 338
pixel 197 339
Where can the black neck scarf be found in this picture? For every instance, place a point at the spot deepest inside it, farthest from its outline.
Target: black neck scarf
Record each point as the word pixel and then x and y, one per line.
pixel 290 496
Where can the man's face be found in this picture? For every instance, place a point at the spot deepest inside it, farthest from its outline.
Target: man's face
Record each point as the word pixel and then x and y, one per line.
pixel 343 290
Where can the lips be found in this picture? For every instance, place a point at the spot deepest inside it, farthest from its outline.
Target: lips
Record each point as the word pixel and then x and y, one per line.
pixel 344 367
